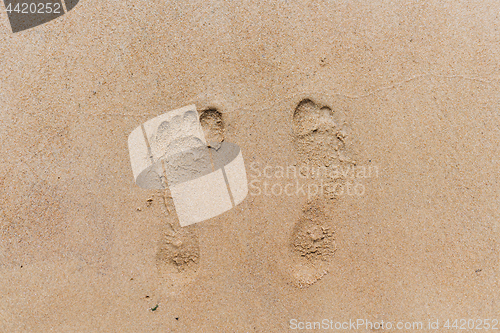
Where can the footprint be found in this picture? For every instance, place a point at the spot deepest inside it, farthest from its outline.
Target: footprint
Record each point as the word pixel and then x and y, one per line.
pixel 312 245
pixel 320 136
pixel 178 254
pixel 322 141
pixel 213 126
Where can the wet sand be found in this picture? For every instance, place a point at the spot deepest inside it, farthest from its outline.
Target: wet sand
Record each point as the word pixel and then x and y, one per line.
pixel 400 98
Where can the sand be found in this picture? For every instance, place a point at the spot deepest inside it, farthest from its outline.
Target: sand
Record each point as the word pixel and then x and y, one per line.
pixel 399 97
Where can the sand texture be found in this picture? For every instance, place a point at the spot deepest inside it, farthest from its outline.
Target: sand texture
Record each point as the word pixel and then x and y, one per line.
pixel 397 101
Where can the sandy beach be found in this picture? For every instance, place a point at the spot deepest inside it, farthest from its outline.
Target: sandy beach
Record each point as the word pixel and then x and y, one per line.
pixel 370 133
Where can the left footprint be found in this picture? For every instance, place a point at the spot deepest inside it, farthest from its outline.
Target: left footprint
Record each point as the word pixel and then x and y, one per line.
pixel 178 254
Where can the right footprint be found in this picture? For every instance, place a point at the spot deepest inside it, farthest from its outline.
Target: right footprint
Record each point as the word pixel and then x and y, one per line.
pixel 320 138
